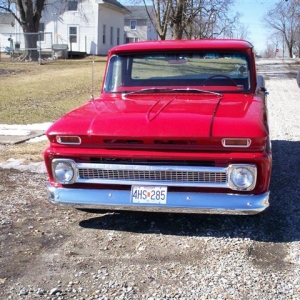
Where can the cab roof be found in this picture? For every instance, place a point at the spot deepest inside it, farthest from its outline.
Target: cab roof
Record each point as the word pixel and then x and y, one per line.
pixel 171 45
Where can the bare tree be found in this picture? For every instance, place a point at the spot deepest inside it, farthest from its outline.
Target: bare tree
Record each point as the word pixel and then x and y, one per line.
pixel 270 51
pixel 284 19
pixel 159 14
pixel 28 14
pixel 242 31
pixel 272 46
pixel 210 18
pixel 192 18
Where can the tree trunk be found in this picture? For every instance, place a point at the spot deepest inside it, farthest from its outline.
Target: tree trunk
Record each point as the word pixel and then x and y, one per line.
pixel 159 16
pixel 290 51
pixel 30 14
pixel 31 39
pixel 289 43
pixel 179 20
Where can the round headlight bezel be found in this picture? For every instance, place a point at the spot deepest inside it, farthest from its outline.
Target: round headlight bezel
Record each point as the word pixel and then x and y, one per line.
pixel 242 177
pixel 64 171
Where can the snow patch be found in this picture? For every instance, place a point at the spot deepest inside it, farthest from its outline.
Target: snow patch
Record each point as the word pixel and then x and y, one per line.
pixel 19 132
pixel 18 164
pixel 22 130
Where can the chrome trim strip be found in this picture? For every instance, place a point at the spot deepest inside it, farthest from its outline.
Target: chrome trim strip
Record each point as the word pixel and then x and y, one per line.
pixel 157 182
pixel 151 168
pixel 177 201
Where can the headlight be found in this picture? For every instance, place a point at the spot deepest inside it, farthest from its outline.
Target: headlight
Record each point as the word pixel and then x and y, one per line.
pixel 63 171
pixel 242 177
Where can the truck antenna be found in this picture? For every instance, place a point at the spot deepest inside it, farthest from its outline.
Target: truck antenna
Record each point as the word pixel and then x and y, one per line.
pixel 92 94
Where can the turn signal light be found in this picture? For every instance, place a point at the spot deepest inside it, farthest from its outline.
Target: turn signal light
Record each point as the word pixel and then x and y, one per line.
pixel 68 140
pixel 236 142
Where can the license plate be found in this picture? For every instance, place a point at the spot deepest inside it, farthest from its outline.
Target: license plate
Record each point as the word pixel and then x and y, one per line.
pixel 149 194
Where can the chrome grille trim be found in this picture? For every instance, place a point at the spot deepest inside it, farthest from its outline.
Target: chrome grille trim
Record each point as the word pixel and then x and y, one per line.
pixel 184 176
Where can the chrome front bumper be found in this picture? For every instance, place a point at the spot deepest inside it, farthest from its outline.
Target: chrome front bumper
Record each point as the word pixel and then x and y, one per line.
pixel 181 202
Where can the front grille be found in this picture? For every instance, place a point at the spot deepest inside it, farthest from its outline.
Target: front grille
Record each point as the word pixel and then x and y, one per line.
pixel 152 175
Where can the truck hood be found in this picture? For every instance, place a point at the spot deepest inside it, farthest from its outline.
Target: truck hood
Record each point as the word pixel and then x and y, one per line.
pixel 180 116
pixel 170 115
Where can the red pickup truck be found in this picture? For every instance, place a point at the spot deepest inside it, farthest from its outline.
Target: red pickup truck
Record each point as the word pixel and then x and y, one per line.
pixel 179 126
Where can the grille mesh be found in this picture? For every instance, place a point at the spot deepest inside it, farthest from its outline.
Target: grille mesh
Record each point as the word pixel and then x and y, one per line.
pixel 154 175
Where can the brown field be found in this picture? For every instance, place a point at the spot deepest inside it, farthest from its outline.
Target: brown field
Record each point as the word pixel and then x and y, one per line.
pixel 33 93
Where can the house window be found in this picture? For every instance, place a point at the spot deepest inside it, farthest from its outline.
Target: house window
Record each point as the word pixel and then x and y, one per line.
pixel 131 40
pixel 104 34
pixel 111 35
pixel 73 34
pixel 133 24
pixel 72 5
pixel 118 36
pixel 41 36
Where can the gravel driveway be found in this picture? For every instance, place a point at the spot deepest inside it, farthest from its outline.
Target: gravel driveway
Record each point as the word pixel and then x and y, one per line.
pixel 49 253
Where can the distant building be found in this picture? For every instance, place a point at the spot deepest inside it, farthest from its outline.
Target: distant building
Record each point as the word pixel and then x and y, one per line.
pixel 91 26
pixel 7 22
pixel 138 26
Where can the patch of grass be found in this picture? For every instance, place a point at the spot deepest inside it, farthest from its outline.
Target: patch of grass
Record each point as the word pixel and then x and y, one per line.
pixel 32 93
pixel 31 152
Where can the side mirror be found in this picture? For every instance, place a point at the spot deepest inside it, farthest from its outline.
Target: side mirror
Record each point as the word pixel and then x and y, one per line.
pixel 260 82
pixel 261 88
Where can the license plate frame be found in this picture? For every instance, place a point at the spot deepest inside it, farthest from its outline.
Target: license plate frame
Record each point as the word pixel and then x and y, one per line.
pixel 146 194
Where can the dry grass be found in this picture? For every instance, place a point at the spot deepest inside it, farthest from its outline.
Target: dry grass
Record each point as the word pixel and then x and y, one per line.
pixel 32 93
pixel 31 152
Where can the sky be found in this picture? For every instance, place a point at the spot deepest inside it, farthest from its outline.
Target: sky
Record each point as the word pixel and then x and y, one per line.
pixel 253 12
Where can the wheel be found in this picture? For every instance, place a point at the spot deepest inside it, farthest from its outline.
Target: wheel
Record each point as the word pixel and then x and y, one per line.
pixel 229 81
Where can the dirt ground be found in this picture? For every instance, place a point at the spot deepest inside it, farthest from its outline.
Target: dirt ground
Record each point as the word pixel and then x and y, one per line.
pixel 52 253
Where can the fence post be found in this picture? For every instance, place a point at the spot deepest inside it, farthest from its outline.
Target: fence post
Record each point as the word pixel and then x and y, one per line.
pixel 11 45
pixel 40 47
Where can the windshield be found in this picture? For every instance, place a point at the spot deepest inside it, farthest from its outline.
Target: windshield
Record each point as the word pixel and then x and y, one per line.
pixel 213 70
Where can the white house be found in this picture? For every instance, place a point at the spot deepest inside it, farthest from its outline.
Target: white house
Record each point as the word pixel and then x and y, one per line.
pixel 91 26
pixel 6 27
pixel 87 26
pixel 138 27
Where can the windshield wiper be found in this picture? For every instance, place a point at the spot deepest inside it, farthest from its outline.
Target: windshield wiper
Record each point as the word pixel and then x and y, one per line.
pixel 162 90
pixel 152 90
pixel 198 91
